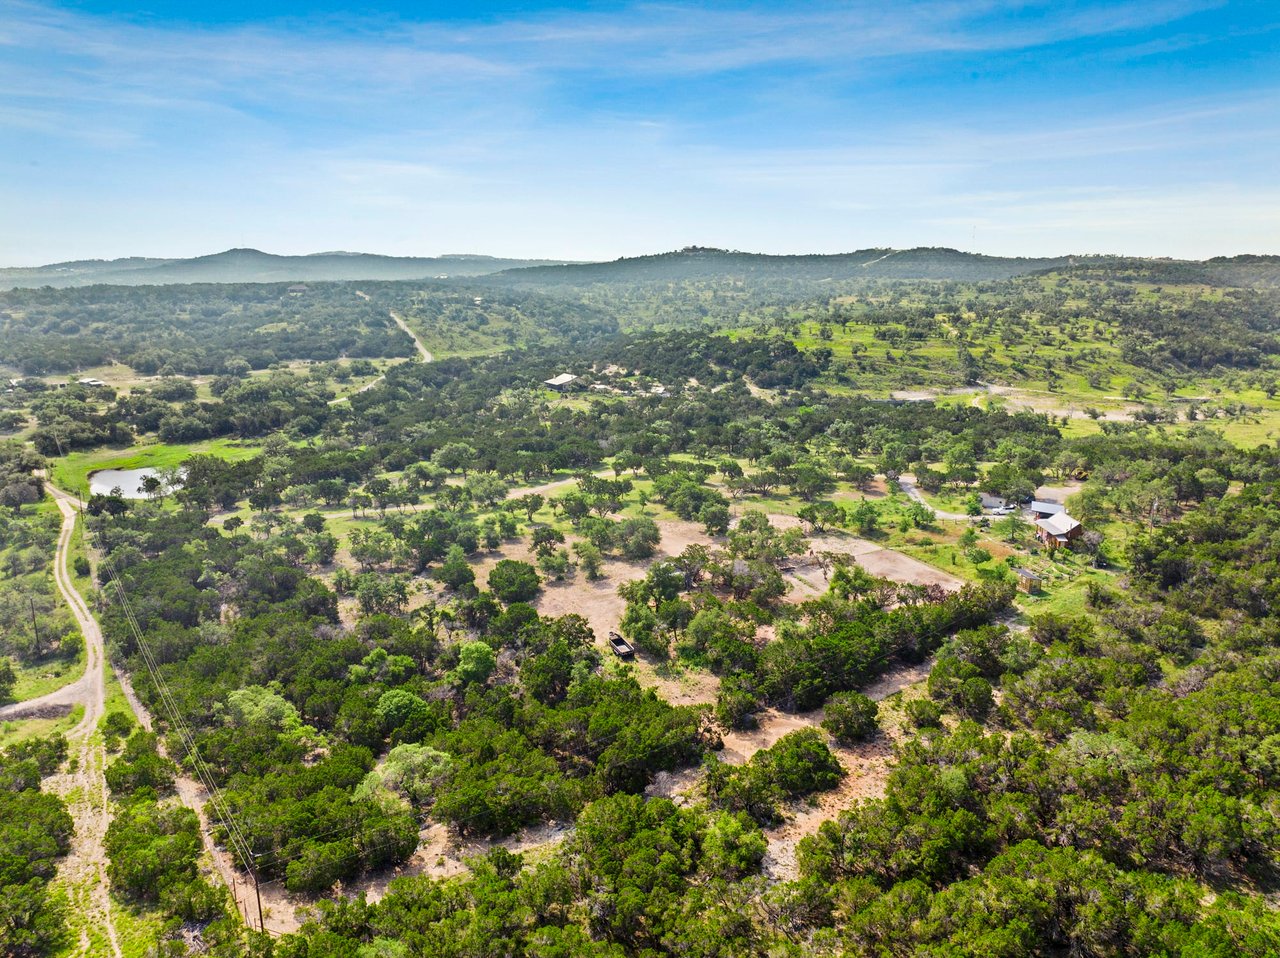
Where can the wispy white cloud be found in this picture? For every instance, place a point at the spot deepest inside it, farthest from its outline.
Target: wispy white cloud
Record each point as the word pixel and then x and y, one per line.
pixel 688 39
pixel 646 38
pixel 594 134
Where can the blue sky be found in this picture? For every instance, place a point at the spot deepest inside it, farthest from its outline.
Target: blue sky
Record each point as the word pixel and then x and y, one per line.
pixel 605 129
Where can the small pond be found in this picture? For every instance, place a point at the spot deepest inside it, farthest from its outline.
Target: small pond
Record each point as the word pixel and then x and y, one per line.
pixel 128 480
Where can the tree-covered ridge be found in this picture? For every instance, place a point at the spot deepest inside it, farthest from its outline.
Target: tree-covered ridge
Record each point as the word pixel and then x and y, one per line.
pixel 190 330
pixel 1072 332
pixel 696 263
pixel 255 266
pixel 211 329
pixel 457 319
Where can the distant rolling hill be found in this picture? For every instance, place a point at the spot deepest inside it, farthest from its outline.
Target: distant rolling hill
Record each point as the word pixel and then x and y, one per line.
pixel 693 263
pixel 690 264
pixel 927 263
pixel 255 266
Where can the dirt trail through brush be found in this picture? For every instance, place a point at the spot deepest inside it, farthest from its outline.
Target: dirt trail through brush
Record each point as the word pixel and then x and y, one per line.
pixel 84 870
pixel 82 785
pixel 89 686
pixel 867 766
pixel 417 343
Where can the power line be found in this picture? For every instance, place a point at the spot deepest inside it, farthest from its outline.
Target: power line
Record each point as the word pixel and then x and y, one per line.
pixel 349 831
pixel 206 777
pixel 203 773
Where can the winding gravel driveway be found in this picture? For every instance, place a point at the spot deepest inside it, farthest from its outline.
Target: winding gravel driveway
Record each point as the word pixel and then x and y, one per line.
pixel 83 785
pixel 908 485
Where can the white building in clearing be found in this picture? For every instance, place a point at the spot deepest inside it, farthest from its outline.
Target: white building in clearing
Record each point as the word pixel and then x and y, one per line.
pixel 561 382
pixel 1044 509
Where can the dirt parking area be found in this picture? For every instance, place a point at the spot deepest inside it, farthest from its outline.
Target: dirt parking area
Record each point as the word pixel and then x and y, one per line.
pixel 879 561
pixel 897 567
pixel 1059 492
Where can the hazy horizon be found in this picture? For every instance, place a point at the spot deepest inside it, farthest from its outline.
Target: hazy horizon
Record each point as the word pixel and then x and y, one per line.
pixel 590 131
pixel 588 260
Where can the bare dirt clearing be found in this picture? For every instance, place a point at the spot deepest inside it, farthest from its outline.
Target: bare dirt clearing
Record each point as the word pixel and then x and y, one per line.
pixel 1050 403
pixel 600 604
pixel 885 563
pixel 897 567
pixel 1059 492
pixel 810 579
pixel 441 853
pixel 867 766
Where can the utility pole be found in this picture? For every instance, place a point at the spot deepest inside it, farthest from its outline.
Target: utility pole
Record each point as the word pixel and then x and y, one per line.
pixel 258 894
pixel 35 626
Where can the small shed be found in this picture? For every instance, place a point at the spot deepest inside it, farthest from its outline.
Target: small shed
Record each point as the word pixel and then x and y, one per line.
pixel 560 383
pixel 1028 581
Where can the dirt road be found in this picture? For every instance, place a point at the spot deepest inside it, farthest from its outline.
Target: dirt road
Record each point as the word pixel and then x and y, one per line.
pixel 909 487
pixel 83 786
pixel 423 352
pixel 89 685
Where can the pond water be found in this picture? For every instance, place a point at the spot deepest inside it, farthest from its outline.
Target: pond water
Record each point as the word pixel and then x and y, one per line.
pixel 129 481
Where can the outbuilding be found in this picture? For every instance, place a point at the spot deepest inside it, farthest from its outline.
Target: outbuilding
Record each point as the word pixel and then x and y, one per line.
pixel 1028 581
pixel 1043 509
pixel 1058 530
pixel 560 383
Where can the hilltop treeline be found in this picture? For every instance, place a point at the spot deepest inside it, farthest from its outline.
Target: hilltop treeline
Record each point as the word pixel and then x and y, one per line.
pixel 210 329
pixel 699 263
pixel 190 330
